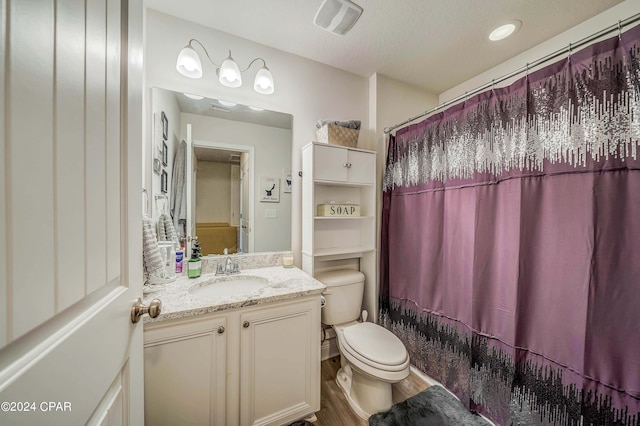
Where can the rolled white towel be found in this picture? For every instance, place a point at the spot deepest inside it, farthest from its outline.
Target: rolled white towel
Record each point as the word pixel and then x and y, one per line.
pixel 166 230
pixel 153 264
pixel 162 233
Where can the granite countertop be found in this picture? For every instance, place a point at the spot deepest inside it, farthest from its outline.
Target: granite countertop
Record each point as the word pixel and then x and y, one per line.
pixel 178 302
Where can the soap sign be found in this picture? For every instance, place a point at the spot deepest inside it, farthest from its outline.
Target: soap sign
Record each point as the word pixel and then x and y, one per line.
pixel 342 210
pixel 338 210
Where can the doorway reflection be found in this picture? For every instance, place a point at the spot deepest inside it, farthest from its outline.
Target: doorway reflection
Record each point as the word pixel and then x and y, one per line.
pixel 218 217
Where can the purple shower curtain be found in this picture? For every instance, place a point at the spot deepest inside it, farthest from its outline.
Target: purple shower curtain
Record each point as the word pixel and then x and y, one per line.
pixel 510 258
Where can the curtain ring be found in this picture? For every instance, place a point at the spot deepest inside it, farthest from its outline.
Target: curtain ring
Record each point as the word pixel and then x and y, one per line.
pixel 570 52
pixel 619 30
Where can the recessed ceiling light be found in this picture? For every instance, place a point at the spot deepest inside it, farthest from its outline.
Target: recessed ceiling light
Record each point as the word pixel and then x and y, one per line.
pixel 227 103
pixel 256 108
pixel 196 97
pixel 504 31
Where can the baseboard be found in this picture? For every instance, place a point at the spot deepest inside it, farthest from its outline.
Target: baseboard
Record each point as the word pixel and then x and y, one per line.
pixel 431 382
pixel 329 349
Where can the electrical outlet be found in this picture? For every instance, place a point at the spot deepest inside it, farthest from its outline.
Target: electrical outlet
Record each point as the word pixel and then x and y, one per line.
pixel 270 213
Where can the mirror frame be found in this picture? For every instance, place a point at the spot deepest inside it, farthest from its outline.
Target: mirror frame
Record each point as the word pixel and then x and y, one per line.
pixel 252 203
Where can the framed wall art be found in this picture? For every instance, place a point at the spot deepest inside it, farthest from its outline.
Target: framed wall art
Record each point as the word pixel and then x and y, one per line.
pixel 165 126
pixel 165 153
pixel 163 182
pixel 287 180
pixel 269 189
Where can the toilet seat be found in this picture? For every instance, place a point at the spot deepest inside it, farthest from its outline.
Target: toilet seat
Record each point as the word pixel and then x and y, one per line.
pixel 374 350
pixel 375 343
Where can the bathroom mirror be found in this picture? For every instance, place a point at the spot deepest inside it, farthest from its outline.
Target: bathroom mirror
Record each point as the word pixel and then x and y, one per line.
pixel 237 171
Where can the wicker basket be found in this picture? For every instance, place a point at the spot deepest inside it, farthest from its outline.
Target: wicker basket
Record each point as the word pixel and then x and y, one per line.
pixel 338 135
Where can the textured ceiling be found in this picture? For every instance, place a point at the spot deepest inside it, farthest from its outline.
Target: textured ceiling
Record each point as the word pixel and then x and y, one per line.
pixel 434 44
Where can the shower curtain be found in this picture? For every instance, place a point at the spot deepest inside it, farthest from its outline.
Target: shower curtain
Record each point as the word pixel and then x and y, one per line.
pixel 510 257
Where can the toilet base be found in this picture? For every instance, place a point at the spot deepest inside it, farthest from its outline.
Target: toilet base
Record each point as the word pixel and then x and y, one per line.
pixel 365 394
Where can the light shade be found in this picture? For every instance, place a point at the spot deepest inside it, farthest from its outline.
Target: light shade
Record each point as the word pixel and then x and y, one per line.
pixel 192 96
pixel 264 81
pixel 188 63
pixel 229 73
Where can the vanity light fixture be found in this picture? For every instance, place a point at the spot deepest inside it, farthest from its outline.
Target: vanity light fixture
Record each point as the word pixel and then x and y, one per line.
pixel 504 31
pixel 229 74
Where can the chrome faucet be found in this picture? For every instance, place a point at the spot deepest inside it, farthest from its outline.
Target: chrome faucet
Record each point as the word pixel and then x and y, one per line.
pixel 229 267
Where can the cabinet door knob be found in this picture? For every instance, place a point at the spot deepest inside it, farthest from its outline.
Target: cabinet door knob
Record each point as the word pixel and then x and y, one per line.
pixel 347 165
pixel 220 330
pixel 245 324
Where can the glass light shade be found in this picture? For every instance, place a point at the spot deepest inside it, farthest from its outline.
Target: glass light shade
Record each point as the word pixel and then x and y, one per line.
pixel 264 81
pixel 188 63
pixel 229 73
pixel 196 97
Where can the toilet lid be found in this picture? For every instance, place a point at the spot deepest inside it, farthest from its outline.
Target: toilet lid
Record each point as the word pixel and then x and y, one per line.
pixel 375 343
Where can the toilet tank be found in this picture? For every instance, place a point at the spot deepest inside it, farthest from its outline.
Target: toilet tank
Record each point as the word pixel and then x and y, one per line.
pixel 343 295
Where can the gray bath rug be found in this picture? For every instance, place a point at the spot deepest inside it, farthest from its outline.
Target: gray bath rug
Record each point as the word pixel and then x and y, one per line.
pixel 433 406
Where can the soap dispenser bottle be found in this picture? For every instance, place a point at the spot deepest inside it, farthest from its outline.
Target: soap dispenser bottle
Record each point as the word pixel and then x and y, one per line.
pixel 195 264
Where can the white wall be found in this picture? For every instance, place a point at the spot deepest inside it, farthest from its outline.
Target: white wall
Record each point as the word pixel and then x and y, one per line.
pixel 272 148
pixel 390 102
pixel 162 101
pixel 213 192
pixel 591 26
pixel 306 89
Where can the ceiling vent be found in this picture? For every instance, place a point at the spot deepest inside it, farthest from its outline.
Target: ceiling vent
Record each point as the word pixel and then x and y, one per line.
pixel 337 16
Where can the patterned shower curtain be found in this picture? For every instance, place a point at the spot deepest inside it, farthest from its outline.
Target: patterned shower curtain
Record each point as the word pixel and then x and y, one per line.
pixel 510 259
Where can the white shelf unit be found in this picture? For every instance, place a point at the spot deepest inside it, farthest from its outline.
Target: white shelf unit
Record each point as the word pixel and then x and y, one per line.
pixel 340 174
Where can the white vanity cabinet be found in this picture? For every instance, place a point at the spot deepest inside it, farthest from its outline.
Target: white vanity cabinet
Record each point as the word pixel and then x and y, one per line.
pixel 279 363
pixel 185 369
pixel 338 164
pixel 340 174
pixel 252 366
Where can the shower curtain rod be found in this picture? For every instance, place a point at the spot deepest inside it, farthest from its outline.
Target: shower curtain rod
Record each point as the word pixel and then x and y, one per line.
pixel 616 27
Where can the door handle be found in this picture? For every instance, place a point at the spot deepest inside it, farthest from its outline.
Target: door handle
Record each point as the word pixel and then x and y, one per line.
pixel 138 309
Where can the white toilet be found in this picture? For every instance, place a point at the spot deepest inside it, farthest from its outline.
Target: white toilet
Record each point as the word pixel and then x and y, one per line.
pixel 371 357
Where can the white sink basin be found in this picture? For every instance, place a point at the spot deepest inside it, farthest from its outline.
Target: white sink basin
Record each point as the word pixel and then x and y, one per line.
pixel 229 286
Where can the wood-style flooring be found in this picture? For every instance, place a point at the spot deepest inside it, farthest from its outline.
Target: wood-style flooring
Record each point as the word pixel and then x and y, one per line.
pixel 334 408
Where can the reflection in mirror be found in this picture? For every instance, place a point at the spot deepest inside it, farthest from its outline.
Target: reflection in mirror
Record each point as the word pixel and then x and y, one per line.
pixel 234 179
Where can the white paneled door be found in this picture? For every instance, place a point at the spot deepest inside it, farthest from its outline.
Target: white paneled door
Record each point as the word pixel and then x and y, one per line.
pixel 70 212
